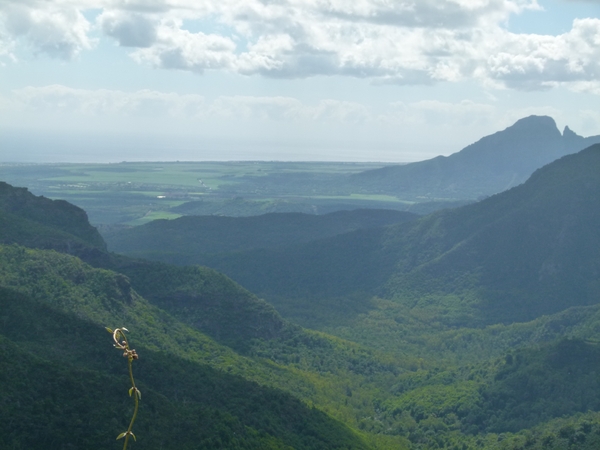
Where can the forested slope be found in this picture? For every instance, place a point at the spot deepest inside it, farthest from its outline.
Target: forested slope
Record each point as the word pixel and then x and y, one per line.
pixel 51 305
pixel 187 239
pixel 61 375
pixel 221 368
pixel 527 252
pixel 44 223
pixel 530 251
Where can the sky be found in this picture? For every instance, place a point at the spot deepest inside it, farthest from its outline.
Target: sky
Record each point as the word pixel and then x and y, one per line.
pixel 335 80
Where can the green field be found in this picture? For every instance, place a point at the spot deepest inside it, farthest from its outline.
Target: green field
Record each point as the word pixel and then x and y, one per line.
pixel 136 193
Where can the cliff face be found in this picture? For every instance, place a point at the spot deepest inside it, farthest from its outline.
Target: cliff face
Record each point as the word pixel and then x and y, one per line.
pixel 43 223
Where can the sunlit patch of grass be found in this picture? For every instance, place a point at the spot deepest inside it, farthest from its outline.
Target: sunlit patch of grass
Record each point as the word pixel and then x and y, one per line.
pixel 153 215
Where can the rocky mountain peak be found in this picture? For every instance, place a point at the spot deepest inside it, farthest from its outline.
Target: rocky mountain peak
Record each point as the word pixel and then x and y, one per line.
pixel 571 135
pixel 544 124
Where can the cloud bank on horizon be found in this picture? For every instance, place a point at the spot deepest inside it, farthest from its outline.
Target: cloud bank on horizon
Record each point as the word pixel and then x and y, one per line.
pixel 403 43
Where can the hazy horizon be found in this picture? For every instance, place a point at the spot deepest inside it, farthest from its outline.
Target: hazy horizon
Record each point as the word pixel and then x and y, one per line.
pixel 22 147
pixel 99 80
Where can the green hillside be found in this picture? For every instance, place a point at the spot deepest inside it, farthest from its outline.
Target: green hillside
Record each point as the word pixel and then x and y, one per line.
pixel 53 310
pixel 431 350
pixel 187 238
pixel 56 351
pixel 44 223
pixel 530 251
pixel 314 367
pixel 518 255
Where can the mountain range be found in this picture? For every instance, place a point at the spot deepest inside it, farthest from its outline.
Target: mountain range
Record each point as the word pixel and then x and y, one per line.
pixel 529 251
pixel 470 328
pixel 493 164
pixel 58 369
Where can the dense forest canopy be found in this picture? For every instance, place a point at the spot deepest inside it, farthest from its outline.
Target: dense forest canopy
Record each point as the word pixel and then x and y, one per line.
pixel 468 328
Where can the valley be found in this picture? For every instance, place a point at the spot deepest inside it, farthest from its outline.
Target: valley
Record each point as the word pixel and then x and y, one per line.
pixel 308 305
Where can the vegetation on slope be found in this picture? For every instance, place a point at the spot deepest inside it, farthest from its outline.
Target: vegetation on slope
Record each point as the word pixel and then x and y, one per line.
pixel 320 369
pixel 54 307
pixel 512 257
pixel 41 222
pixel 431 384
pixel 518 255
pixel 188 238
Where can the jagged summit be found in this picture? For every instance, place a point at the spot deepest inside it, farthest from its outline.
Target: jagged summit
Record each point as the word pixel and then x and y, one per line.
pixel 493 164
pixel 571 135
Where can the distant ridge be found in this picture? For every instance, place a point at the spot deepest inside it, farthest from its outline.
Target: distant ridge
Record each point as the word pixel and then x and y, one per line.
pixel 530 251
pixel 493 164
pixel 515 256
pixel 193 236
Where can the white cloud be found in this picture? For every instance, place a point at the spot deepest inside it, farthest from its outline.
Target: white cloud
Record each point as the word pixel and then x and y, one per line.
pixel 57 99
pixel 388 42
pixel 592 87
pixel 348 112
pixel 392 133
pixel 176 48
pixel 404 42
pixel 536 62
pixel 57 30
pixel 261 108
pixel 289 109
pixel 153 110
pixel 103 102
pixel 168 109
pixel 441 114
pixel 6 44
pixel 286 15
pixel 130 30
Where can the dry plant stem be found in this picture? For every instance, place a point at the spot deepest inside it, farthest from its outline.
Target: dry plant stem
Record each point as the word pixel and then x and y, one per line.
pixel 137 403
pixel 130 354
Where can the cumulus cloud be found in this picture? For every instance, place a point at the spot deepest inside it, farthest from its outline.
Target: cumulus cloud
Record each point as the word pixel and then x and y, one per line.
pixel 176 48
pixel 533 62
pixel 58 30
pixel 403 41
pixel 387 42
pixel 591 87
pixel 130 30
